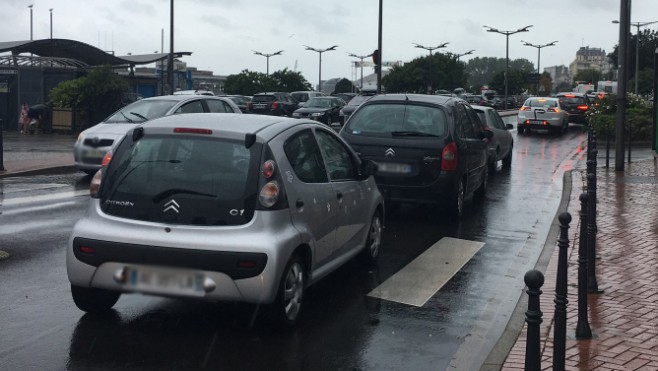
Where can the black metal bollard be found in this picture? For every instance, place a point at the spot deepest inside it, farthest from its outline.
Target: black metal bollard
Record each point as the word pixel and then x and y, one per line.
pixel 560 329
pixel 592 285
pixel 583 331
pixel 534 280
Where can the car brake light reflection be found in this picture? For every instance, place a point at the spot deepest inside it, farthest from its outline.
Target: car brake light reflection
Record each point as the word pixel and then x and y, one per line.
pixel 449 157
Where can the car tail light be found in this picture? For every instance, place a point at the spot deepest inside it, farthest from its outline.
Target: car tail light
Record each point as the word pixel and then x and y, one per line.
pixel 106 159
pixel 525 108
pixel 192 131
pixel 95 184
pixel 583 108
pixel 556 110
pixel 449 157
pixel 275 105
pixel 268 169
pixel 269 194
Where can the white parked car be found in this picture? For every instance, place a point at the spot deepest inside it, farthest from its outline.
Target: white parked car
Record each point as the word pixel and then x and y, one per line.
pixel 539 113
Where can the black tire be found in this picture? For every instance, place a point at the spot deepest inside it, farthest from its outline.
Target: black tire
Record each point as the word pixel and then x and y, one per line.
pixel 456 205
pixel 90 172
pixel 370 252
pixel 94 300
pixel 482 189
pixel 507 160
pixel 288 303
pixel 520 129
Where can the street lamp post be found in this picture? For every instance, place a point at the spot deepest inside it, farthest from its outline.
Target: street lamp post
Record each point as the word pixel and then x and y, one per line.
pixel 51 22
pixel 463 54
pixel 507 33
pixel 539 47
pixel 30 6
pixel 170 67
pixel 430 86
pixel 361 57
pixel 320 51
pixel 637 46
pixel 266 55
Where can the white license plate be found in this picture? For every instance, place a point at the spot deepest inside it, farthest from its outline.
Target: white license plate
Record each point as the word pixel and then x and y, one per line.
pixel 94 153
pixel 389 167
pixel 165 281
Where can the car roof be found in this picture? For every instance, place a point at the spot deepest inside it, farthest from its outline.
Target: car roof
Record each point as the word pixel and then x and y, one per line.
pixel 423 98
pixel 179 97
pixel 564 93
pixel 481 108
pixel 228 125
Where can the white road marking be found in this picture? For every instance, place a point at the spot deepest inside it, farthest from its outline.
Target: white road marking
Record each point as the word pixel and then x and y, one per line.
pixel 44 197
pixel 419 280
pixel 32 209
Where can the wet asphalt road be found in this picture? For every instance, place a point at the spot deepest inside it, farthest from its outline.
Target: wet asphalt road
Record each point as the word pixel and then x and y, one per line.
pixel 341 327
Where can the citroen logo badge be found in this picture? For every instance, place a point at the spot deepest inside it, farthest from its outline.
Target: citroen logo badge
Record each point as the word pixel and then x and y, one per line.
pixel 171 205
pixel 390 152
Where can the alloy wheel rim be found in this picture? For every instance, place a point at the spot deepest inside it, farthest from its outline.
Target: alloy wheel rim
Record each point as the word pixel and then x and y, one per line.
pixel 375 236
pixel 292 290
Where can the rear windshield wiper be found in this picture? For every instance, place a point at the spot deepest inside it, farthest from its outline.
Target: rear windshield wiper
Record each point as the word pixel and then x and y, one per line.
pixel 412 134
pixel 138 115
pixel 170 192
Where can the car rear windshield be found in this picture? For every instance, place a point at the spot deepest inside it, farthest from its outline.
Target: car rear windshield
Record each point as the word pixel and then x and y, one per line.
pixel 301 97
pixel 398 119
pixel 573 99
pixel 182 179
pixel 142 110
pixel 541 103
pixel 263 98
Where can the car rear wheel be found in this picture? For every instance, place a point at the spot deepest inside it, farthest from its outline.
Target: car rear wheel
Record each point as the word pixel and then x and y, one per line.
pixel 520 129
pixel 94 300
pixel 482 190
pixel 507 160
pixel 371 250
pixel 288 303
pixel 456 206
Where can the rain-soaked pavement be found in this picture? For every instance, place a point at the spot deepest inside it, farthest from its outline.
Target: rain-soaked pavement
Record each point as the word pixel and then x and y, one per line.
pixel 341 327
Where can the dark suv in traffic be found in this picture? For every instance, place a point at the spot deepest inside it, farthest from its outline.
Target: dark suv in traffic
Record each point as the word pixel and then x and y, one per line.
pixel 429 148
pixel 275 104
pixel 576 104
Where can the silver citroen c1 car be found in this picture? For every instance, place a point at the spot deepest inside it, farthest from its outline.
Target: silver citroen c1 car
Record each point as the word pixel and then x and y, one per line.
pixel 224 207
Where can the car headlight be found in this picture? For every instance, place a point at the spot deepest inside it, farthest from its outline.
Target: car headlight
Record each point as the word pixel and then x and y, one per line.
pixel 317 114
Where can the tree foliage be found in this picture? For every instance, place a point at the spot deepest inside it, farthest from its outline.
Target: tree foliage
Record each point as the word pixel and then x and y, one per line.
pixel 250 82
pixel 590 75
pixel 344 86
pixel 648 44
pixel 441 71
pixel 482 70
pixel 96 94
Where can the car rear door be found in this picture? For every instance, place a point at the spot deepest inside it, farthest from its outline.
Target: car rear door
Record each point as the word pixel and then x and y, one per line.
pixel 312 200
pixel 472 146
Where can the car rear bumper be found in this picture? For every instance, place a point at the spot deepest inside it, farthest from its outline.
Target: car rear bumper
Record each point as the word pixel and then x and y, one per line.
pixel 440 191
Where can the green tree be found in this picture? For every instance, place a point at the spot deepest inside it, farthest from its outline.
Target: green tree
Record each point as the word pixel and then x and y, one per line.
pixel 344 86
pixel 517 82
pixel 97 94
pixel 289 81
pixel 590 75
pixel 648 44
pixel 245 83
pixel 447 73
pixel 481 70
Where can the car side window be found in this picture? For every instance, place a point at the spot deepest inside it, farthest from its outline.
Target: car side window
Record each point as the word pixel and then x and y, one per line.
pixel 463 122
pixel 338 159
pixel 498 121
pixel 218 106
pixel 191 107
pixel 478 128
pixel 305 158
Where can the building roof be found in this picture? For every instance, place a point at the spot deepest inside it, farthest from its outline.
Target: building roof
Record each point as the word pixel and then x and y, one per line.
pixel 75 50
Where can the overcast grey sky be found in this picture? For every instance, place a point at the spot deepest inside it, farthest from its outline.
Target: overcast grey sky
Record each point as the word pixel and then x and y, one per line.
pixel 221 34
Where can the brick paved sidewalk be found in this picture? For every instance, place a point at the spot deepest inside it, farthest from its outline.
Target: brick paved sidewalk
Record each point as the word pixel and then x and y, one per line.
pixel 624 319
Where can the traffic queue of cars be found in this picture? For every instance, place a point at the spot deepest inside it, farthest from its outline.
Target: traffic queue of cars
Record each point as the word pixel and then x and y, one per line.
pixel 256 208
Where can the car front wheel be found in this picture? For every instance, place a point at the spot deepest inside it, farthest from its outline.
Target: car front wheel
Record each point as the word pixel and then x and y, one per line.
pixel 94 300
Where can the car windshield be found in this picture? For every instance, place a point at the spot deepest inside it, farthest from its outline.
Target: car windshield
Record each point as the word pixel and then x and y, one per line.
pixel 573 100
pixel 300 97
pixel 395 119
pixel 318 103
pixel 210 181
pixel 356 101
pixel 142 110
pixel 539 102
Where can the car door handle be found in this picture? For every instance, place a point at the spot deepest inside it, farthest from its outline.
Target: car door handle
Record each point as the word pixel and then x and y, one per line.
pixel 299 204
pixel 339 196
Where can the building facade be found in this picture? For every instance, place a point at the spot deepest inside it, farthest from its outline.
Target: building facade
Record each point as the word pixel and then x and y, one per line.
pixel 590 59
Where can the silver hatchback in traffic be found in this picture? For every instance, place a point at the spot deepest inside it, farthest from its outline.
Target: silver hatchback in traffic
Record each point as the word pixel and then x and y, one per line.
pixel 224 207
pixel 542 113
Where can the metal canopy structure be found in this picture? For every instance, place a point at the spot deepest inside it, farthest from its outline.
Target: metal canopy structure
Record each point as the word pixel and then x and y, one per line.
pixel 70 53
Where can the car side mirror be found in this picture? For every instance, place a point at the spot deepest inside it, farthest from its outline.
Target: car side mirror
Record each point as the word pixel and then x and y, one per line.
pixel 509 126
pixel 368 168
pixel 488 134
